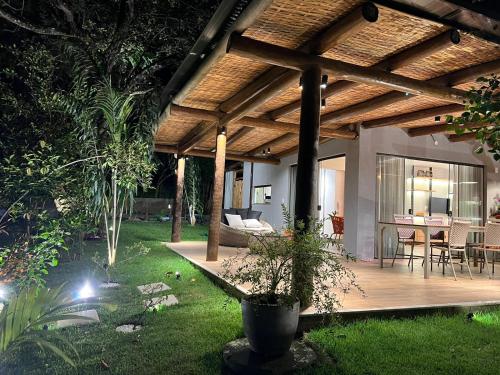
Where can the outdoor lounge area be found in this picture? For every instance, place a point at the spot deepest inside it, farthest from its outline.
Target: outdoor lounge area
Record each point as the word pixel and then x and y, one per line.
pixel 391 290
pixel 250 187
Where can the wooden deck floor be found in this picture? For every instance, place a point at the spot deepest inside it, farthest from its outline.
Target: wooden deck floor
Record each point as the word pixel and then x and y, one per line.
pixel 388 288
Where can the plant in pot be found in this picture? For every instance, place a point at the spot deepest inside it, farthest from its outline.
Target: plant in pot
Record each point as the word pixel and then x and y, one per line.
pixel 271 309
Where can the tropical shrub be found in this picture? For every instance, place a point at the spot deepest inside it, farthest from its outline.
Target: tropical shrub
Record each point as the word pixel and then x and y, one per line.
pixel 481 116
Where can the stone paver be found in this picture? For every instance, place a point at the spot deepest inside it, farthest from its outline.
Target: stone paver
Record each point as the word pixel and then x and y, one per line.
pixel 109 285
pixel 92 314
pixel 156 302
pixel 153 288
pixel 128 328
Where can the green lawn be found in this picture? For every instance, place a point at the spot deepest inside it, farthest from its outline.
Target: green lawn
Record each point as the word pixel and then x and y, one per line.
pixel 188 338
pixel 425 345
pixel 183 339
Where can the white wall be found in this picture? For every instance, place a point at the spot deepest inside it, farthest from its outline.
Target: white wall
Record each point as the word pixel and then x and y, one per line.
pixel 360 177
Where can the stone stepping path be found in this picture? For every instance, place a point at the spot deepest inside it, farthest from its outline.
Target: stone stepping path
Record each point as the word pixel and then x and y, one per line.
pixel 109 285
pixel 153 288
pixel 128 328
pixel 92 314
pixel 157 302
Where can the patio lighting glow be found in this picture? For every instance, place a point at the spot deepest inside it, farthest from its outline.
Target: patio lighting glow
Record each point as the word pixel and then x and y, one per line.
pixel 86 291
pixel 324 81
pixel 435 140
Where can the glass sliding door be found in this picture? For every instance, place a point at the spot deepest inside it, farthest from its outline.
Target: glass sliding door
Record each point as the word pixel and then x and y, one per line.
pixel 331 180
pixel 470 193
pixel 426 188
pixel 390 195
pixel 331 191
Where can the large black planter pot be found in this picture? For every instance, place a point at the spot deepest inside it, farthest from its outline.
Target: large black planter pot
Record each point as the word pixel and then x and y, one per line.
pixel 269 328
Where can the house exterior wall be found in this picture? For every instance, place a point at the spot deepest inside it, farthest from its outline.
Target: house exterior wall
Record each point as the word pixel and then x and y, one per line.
pixel 360 178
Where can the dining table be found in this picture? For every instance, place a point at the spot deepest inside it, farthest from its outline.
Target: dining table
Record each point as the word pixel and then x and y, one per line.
pixel 426 229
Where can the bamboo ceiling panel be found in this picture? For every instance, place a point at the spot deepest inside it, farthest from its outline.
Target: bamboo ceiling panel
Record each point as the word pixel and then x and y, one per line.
pixel 469 52
pixel 256 137
pixel 412 104
pixel 290 23
pixel 392 33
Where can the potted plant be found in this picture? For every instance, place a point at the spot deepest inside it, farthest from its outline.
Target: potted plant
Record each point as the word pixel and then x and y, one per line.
pixel 271 310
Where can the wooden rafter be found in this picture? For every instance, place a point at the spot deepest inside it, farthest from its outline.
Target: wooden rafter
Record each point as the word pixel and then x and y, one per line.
pixel 450 79
pixel 172 149
pixel 277 79
pixel 413 116
pixel 440 128
pixel 252 122
pixel 462 137
pixel 272 143
pixel 403 58
pixel 281 56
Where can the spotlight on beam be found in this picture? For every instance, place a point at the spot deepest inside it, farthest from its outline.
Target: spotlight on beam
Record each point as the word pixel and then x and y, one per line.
pixel 324 81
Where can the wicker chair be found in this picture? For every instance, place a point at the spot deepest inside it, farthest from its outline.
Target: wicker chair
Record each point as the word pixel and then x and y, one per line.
pixel 491 244
pixel 240 238
pixel 457 242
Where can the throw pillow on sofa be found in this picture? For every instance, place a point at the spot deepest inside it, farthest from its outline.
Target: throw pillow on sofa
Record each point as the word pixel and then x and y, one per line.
pixel 252 223
pixel 235 221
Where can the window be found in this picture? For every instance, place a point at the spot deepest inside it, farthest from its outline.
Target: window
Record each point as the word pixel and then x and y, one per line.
pixel 262 194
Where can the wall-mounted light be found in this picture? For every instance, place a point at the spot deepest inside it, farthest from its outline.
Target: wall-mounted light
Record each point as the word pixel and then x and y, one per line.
pixel 324 81
pixel 223 130
pixel 437 119
pixel 300 83
pixel 407 94
pixel 323 103
pixel 263 152
pixel 436 143
pixel 269 150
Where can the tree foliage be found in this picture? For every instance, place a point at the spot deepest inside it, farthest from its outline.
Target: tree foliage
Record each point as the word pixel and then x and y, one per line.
pixel 482 115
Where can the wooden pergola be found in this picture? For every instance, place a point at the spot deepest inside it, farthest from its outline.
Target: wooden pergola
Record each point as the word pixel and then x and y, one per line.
pixel 288 75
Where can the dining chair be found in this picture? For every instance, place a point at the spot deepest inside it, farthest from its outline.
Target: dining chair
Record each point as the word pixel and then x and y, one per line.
pixel 406 236
pixel 457 242
pixel 338 229
pixel 436 235
pixel 491 243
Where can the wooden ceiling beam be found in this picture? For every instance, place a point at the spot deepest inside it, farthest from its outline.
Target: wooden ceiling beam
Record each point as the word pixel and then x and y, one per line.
pixel 440 128
pixel 281 56
pixel 413 116
pixel 172 149
pixel 252 122
pixel 341 30
pixel 427 130
pixel 399 60
pixel 462 137
pixel 277 79
pixel 272 143
pixel 240 133
pixel 450 79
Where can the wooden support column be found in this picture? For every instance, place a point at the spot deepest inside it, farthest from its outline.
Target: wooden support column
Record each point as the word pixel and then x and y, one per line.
pixel 179 191
pixel 217 195
pixel 306 198
pixel 307 165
